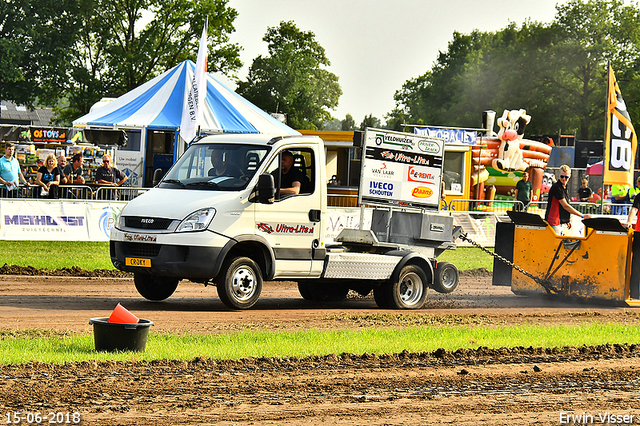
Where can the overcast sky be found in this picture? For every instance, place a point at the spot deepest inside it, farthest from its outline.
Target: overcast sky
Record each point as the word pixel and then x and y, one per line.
pixel 375 46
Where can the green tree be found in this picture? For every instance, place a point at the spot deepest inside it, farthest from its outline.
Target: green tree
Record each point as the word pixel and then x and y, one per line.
pixel 370 121
pixel 348 123
pixel 333 124
pixel 593 33
pixel 125 43
pixel 556 71
pixel 35 39
pixel 432 97
pixel 291 78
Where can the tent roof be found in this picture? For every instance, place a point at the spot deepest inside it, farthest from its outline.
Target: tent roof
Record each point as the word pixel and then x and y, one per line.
pixel 159 104
pixel 595 169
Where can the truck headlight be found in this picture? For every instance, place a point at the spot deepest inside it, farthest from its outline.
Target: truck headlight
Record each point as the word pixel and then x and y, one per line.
pixel 197 221
pixel 119 221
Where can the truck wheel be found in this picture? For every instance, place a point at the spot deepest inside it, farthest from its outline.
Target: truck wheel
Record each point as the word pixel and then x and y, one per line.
pixel 447 278
pixel 381 296
pixel 319 292
pixel 305 291
pixel 409 292
pixel 240 286
pixel 155 288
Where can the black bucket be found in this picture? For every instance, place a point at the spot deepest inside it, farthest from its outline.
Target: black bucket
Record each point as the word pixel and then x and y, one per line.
pixel 111 337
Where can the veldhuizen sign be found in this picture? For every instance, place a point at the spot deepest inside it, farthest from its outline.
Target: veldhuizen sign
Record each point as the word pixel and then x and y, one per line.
pixel 401 169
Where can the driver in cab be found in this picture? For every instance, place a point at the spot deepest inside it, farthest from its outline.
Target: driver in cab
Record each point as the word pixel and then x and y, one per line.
pixel 222 166
pixel 291 177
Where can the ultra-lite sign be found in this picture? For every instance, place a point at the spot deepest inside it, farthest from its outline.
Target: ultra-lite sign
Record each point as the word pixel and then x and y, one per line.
pixel 401 168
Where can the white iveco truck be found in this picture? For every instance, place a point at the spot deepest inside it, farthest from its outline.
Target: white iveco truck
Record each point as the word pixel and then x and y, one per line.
pixel 229 225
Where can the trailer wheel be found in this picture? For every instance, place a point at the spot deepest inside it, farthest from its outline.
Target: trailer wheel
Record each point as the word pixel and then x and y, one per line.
pixel 155 288
pixel 240 286
pixel 409 292
pixel 319 292
pixel 447 278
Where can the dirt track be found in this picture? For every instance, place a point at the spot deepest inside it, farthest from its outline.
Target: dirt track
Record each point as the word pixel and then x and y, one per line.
pixel 503 387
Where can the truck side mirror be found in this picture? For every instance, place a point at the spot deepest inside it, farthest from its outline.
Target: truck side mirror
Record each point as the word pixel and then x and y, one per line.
pixel 158 174
pixel 265 191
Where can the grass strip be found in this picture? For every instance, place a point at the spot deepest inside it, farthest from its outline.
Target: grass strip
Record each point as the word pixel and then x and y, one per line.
pixel 56 254
pixel 95 255
pixel 466 258
pixel 80 347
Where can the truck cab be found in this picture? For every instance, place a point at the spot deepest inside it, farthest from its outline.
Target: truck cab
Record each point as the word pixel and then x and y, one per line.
pixel 206 209
pixel 237 209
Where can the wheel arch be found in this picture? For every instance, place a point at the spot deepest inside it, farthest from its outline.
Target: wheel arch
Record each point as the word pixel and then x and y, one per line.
pixel 253 247
pixel 413 258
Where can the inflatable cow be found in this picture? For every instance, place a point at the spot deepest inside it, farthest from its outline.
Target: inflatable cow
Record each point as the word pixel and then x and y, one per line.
pixel 512 125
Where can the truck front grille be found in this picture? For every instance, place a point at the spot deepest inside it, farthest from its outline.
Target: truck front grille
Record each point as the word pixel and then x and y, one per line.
pixel 137 222
pixel 140 249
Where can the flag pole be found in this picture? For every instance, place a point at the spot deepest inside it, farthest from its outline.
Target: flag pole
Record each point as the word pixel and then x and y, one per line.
pixel 196 93
pixel 606 126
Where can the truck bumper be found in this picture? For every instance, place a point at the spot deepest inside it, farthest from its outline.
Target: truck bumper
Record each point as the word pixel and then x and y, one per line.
pixel 167 260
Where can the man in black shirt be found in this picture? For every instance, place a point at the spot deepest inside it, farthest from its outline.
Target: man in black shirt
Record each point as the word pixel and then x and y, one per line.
pixel 585 192
pixel 62 162
pixel 106 175
pixel 291 177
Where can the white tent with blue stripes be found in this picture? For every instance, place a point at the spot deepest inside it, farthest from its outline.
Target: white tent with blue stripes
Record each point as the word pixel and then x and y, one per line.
pixel 159 104
pixel 151 114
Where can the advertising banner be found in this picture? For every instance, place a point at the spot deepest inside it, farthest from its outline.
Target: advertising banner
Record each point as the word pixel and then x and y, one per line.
pixel 620 140
pixel 57 220
pixel 452 136
pixel 49 135
pixel 130 163
pixel 402 169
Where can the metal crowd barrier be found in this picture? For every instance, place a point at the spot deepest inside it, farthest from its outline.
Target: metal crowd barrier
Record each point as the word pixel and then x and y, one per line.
pixel 494 206
pixel 108 193
pixel 340 200
pixel 502 206
pixel 75 192
pixel 120 193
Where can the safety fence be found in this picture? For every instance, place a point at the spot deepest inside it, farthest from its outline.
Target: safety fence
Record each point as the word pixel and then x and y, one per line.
pixel 74 192
pixel 499 206
pixel 502 206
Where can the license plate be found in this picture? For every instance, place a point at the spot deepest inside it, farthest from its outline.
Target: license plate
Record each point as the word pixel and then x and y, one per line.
pixel 136 261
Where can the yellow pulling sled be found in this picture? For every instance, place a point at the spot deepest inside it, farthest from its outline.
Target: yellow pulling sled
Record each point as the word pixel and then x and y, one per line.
pixel 532 259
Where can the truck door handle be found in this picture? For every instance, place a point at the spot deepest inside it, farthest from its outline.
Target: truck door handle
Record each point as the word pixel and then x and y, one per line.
pixel 314 215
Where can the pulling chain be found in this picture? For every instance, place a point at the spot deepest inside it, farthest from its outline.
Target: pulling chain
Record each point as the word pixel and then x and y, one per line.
pixel 543 282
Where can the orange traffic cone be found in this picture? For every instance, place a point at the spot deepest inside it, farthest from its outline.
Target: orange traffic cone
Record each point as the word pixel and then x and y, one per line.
pixel 121 316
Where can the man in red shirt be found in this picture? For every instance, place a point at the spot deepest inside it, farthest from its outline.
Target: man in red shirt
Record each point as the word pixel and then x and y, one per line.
pixel 634 280
pixel 559 210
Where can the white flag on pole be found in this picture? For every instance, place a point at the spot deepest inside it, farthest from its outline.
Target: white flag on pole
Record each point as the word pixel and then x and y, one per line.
pixel 194 106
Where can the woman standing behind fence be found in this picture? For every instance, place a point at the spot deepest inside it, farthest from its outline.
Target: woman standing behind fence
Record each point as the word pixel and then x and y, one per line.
pixel 48 178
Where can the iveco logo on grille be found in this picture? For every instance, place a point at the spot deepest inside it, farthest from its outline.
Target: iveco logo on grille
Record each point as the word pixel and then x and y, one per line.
pixel 146 220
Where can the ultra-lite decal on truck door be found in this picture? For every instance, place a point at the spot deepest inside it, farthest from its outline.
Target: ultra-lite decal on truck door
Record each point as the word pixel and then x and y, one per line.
pixel 285 228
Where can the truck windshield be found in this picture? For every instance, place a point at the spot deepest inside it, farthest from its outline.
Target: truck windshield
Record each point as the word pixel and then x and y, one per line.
pixel 217 167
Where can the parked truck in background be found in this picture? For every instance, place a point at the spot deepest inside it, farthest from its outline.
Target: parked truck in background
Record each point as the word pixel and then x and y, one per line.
pixel 237 230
